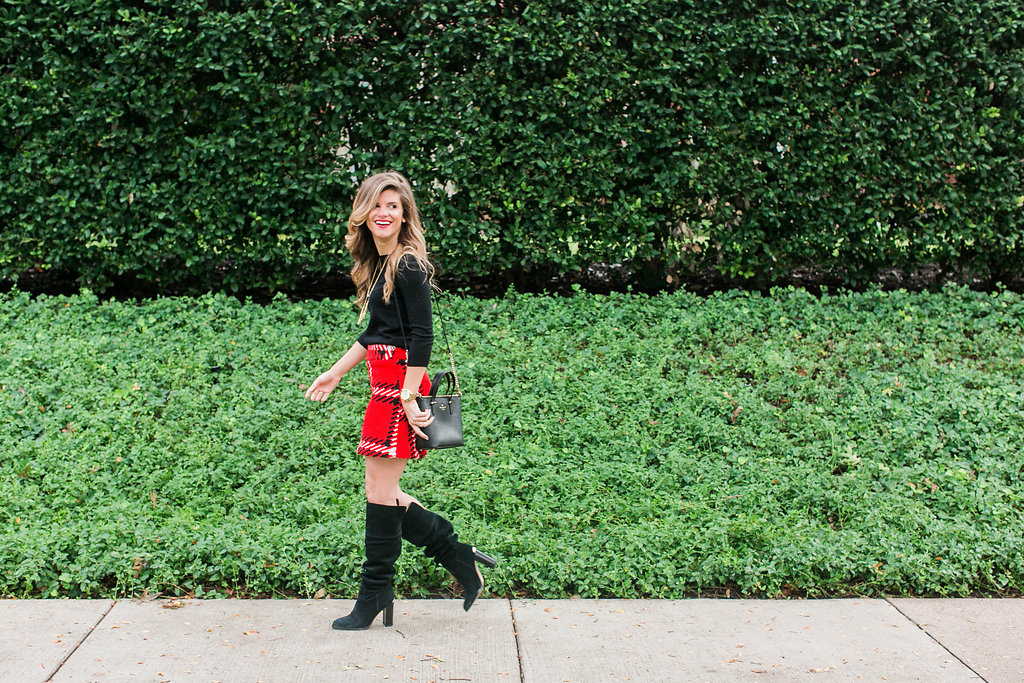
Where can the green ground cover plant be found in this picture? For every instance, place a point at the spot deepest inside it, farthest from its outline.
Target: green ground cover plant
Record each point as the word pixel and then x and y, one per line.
pixel 618 445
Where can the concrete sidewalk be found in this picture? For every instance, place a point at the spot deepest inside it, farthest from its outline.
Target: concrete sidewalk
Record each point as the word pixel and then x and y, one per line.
pixel 534 641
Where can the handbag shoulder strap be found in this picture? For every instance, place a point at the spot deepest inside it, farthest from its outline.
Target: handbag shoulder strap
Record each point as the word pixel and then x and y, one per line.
pixel 447 346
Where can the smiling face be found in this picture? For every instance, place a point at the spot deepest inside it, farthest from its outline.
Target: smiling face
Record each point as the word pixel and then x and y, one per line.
pixel 385 220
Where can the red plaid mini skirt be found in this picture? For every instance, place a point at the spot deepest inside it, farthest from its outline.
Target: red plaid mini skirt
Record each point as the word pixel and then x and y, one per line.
pixel 386 431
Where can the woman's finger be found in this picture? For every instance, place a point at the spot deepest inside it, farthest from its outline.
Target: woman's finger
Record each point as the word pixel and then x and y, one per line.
pixel 314 394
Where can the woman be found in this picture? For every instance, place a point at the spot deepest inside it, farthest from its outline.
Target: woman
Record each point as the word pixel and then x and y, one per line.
pixel 393 282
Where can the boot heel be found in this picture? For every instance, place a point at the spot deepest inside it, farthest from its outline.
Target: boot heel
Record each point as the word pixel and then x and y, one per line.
pixel 484 558
pixel 389 615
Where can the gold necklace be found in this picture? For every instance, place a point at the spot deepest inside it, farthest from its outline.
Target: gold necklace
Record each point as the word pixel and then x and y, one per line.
pixel 366 301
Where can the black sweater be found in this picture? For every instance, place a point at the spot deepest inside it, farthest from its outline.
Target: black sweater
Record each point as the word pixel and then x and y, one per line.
pixel 411 300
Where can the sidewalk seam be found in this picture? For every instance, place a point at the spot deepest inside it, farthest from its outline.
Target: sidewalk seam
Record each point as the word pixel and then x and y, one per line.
pixel 519 649
pixel 82 640
pixel 936 640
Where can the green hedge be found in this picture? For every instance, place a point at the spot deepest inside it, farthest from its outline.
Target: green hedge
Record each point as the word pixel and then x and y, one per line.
pixel 618 445
pixel 215 144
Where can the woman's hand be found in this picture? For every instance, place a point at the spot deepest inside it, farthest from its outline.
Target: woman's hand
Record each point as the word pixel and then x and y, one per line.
pixel 323 385
pixel 418 418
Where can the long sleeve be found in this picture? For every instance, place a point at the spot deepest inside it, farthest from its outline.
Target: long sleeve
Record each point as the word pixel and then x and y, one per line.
pixel 407 320
pixel 414 289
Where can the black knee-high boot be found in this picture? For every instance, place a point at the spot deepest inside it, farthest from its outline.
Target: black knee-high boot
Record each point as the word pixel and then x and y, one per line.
pixel 383 546
pixel 437 537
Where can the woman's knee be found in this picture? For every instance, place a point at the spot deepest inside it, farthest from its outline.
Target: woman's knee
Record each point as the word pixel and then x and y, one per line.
pixel 382 481
pixel 379 490
pixel 381 494
pixel 405 500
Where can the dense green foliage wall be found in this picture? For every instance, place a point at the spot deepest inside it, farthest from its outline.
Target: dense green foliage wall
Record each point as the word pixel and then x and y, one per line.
pixel 216 143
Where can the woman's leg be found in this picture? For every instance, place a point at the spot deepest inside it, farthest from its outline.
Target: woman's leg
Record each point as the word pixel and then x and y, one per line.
pixel 426 529
pixel 437 537
pixel 383 545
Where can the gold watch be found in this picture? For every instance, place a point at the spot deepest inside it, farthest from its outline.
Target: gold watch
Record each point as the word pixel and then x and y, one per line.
pixel 409 395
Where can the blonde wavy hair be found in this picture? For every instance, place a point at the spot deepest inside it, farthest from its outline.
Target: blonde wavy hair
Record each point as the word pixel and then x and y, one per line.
pixel 359 239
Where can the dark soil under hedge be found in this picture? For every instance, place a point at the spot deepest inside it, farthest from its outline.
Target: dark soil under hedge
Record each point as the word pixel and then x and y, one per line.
pixel 598 278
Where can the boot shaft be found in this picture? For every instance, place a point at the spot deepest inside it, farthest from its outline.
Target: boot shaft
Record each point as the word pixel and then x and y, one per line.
pixel 432 532
pixel 383 546
pixel 384 521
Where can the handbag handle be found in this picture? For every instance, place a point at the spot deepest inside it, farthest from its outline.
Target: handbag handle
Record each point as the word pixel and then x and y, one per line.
pixel 435 383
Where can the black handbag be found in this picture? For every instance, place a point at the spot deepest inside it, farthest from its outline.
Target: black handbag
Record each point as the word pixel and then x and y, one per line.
pixel 446 429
